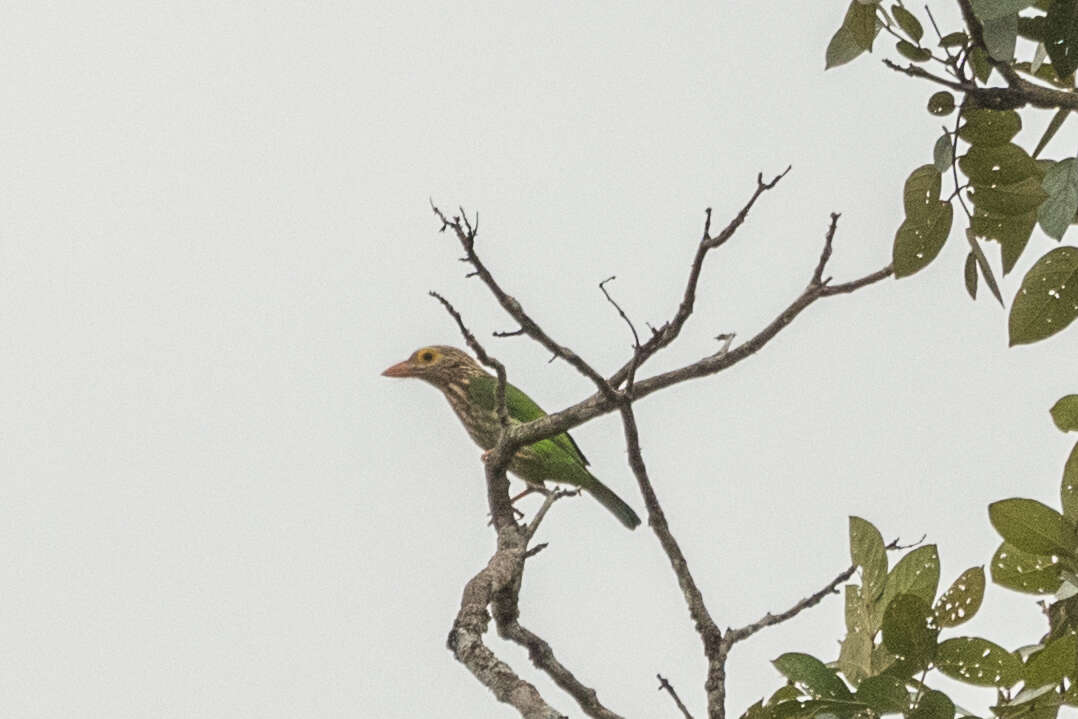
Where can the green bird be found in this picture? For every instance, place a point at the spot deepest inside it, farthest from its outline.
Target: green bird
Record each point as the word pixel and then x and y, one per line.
pixel 470 391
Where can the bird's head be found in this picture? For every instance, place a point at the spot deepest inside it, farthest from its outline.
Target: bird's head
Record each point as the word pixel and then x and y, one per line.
pixel 437 364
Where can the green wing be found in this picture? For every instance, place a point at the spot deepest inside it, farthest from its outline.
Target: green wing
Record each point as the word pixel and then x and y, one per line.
pixel 521 408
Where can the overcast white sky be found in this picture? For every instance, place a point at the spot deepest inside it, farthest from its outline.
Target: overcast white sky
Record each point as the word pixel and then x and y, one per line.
pixel 215 233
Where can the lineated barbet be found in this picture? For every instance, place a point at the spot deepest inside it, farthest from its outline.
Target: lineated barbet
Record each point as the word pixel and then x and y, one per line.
pixel 471 390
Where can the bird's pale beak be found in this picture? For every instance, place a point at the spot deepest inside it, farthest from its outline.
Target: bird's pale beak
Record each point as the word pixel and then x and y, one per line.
pixel 401 369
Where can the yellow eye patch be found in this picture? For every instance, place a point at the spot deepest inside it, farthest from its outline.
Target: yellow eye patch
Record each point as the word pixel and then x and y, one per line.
pixel 427 355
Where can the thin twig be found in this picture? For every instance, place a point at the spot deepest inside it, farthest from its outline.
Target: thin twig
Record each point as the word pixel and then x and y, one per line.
pixel 551 497
pixel 666 685
pixel 632 328
pixel 466 234
pixel 733 636
pixel 825 254
pixel 709 631
pixel 669 331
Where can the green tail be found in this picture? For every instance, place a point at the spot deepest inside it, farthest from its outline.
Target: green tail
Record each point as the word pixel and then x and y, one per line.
pixel 613 502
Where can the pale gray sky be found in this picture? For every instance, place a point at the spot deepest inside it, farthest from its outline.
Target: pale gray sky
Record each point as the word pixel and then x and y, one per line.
pixel 214 234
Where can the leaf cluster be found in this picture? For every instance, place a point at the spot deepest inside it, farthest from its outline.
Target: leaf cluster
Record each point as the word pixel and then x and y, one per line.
pixel 896 622
pixel 1004 190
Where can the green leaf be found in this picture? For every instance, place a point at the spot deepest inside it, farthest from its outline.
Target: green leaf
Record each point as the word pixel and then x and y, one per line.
pixel 1000 37
pixel 917 573
pixel 1065 413
pixel 997 164
pixel 933 705
pixel 954 39
pixel 989 127
pixel 911 52
pixel 918 241
pixel 1061 36
pixel 1055 661
pixel 921 191
pixel 1052 129
pixel 855 654
pixel 1031 28
pixel 978 661
pixel 941 103
pixel 943 153
pixel 1068 490
pixel 1024 572
pixel 885 694
pixel 1047 301
pixel 1011 232
pixel 867 551
pixel 983 266
pixel 962 599
pixel 978 60
pixel 1058 210
pixel 992 9
pixel 1016 198
pixel 909 630
pixel 970 273
pixel 842 49
pixel 909 24
pixel 861 20
pixel 813 675
pixel 1033 527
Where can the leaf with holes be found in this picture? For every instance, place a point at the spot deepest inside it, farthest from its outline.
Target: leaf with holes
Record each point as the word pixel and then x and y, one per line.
pixel 909 631
pixel 920 239
pixel 1016 198
pixel 1065 413
pixel 867 551
pixel 933 705
pixel 812 674
pixel 1011 232
pixel 885 694
pixel 962 599
pixel 989 127
pixel 1068 490
pixel 921 191
pixel 1061 36
pixel 1024 572
pixel 978 661
pixel 1047 301
pixel 1033 527
pixel 993 165
pixel 916 573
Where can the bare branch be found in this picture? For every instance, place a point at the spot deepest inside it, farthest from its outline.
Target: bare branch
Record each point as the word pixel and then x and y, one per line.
pixel 596 405
pixel 669 331
pixel 709 632
pixel 664 684
pixel 466 234
pixel 542 656
pixel 466 638
pixel 825 255
pixel 551 497
pixel 733 636
pixel 632 328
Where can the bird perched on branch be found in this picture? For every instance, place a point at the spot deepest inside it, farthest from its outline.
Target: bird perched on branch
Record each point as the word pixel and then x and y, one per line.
pixel 471 393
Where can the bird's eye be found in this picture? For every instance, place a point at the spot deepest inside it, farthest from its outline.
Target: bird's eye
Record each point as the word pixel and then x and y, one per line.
pixel 427 356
